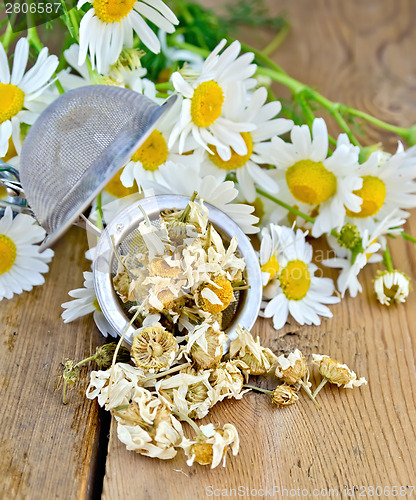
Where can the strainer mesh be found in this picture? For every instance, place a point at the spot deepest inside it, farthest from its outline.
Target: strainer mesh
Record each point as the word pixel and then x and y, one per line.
pixel 77 145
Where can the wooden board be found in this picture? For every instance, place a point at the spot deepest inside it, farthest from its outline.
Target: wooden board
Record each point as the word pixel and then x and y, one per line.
pixel 362 54
pixel 47 450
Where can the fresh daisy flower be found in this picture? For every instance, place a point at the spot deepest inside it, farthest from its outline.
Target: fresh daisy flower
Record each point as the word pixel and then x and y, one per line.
pixel 127 72
pixel 174 55
pixel 210 97
pixel 154 153
pixel 298 291
pixel 173 178
pixel 247 169
pixel 351 260
pixel 85 302
pixel 391 286
pixel 20 91
pixel 270 252
pixel 109 25
pixel 21 265
pixel 387 185
pixel 315 182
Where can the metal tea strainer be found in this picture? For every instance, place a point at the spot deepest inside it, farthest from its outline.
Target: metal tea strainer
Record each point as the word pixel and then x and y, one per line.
pixel 122 235
pixel 73 150
pixel 76 147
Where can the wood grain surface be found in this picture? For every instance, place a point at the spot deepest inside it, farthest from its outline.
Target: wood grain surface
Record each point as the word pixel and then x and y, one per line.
pixel 361 54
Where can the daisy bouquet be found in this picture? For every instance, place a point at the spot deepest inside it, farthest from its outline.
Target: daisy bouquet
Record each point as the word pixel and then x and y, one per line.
pixel 275 170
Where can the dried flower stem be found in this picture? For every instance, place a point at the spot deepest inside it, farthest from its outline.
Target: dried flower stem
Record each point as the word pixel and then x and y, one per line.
pixel 73 368
pixel 185 213
pixel 185 418
pixel 254 388
pixel 166 372
pixel 317 390
pixel 119 344
pixel 146 217
pixel 308 392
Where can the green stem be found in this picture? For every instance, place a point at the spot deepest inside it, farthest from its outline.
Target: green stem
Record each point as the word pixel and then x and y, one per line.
pixel 317 390
pixel 64 400
pixel 192 48
pixel 388 262
pixel 185 213
pixel 8 37
pixel 33 39
pixel 86 360
pixel 408 237
pixel 58 85
pixel 99 210
pixel 308 392
pixel 306 109
pixel 401 131
pixel 74 22
pixel 277 41
pixel 259 389
pixel 164 86
pixel 333 108
pixel 291 209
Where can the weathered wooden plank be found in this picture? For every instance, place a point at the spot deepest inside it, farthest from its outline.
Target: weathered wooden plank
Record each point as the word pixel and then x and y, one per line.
pixel 357 53
pixel 46 449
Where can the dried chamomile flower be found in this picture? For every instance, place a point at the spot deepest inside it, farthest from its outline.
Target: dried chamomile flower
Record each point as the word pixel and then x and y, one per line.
pixel 189 393
pixel 227 380
pixel 198 215
pixel 125 381
pixel 336 373
pixel 292 369
pixel 103 357
pixel 148 427
pixel 121 284
pixel 164 267
pixel 391 286
pixel 217 296
pixel 210 446
pixel 284 395
pixel 205 345
pixel 259 359
pixel 154 348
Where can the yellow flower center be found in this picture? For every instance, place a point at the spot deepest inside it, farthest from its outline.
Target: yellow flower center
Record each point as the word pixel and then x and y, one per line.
pixel 206 105
pixel 295 280
pixel 112 11
pixel 310 182
pixel 153 152
pixel 96 305
pixel 373 194
pixel 271 267
pixel 116 188
pixel 236 161
pixel 7 253
pixel 11 152
pixel 224 293
pixel 11 101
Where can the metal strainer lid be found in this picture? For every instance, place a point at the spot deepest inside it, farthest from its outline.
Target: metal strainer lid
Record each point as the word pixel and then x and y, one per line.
pixel 76 147
pixel 123 233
